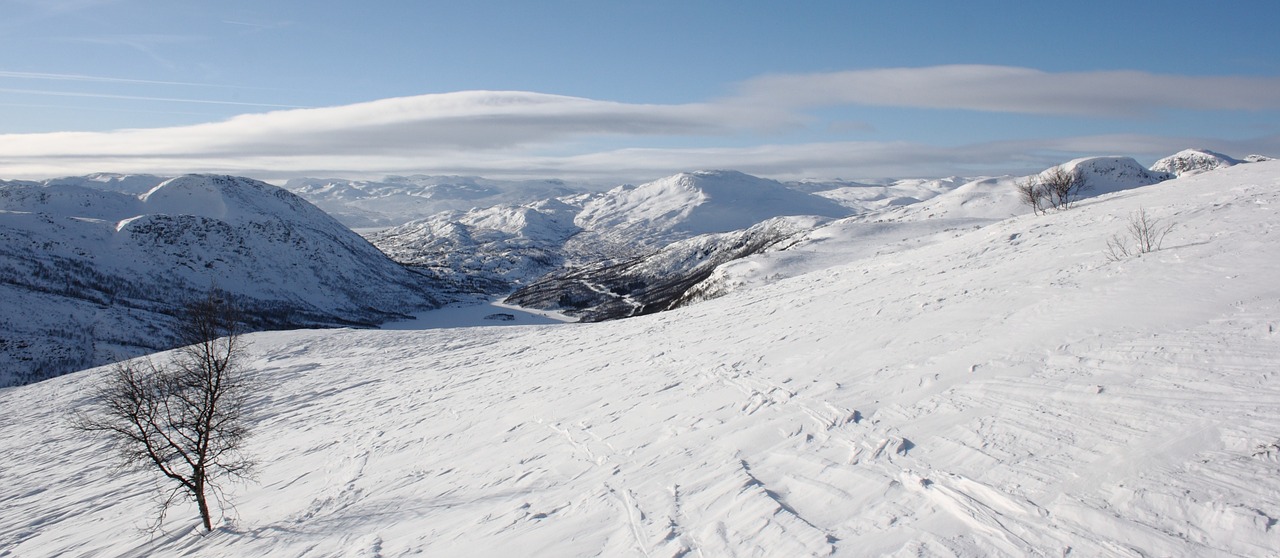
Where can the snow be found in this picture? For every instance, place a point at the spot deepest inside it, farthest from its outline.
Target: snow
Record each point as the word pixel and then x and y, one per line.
pixel 690 204
pixel 90 276
pixel 1194 161
pixel 396 200
pixel 488 312
pixel 952 209
pixel 1005 390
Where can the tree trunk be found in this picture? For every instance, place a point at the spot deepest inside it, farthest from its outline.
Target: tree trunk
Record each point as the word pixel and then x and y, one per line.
pixel 204 506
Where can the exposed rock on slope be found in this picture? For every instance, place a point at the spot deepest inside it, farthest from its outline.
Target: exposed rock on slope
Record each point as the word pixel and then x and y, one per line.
pixel 651 283
pixel 1193 161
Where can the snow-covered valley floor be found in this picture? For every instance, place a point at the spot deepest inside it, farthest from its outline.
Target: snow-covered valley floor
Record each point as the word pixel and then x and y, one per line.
pixel 1007 392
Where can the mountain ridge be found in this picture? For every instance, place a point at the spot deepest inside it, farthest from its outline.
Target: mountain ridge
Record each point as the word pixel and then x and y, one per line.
pixel 110 274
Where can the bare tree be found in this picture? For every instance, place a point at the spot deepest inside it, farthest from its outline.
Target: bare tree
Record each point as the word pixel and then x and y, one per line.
pixel 1056 188
pixel 1031 193
pixel 185 418
pixel 1145 234
pixel 1062 188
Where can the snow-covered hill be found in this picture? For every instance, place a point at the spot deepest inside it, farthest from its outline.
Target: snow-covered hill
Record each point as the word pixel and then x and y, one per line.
pixel 684 205
pixel 89 276
pixel 1005 391
pixel 862 197
pixel 1193 161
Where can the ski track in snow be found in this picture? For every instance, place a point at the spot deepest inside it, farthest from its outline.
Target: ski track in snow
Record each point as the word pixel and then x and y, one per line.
pixel 1008 392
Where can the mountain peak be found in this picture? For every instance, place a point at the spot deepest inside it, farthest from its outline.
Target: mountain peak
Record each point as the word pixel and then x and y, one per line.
pixel 1112 174
pixel 228 198
pixel 699 202
pixel 1193 161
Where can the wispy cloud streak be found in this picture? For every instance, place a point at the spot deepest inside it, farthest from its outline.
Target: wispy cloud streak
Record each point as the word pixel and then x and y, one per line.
pixel 108 79
pixel 49 93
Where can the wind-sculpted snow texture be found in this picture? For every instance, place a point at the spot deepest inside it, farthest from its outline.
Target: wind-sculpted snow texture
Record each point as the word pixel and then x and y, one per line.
pixel 1004 391
pixel 89 276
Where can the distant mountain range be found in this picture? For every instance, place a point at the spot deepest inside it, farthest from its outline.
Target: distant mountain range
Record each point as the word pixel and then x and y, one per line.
pixel 92 268
pixel 396 200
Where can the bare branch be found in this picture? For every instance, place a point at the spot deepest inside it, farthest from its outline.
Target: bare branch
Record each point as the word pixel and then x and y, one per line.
pixel 1145 234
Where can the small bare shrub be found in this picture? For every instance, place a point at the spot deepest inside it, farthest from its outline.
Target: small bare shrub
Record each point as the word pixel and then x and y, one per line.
pixel 1144 234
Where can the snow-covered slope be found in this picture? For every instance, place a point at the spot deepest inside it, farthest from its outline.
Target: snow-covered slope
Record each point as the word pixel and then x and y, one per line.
pixel 689 204
pixel 1193 161
pixel 88 276
pixel 951 212
pixel 1009 391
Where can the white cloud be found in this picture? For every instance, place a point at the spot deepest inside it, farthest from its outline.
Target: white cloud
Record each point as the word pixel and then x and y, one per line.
pixel 849 160
pixel 516 133
pixel 1017 90
pixel 465 120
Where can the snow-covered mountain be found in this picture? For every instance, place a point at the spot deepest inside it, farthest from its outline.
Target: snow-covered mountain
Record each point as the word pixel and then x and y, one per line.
pixel 1003 391
pixel 1193 161
pixel 684 205
pixel 89 275
pixel 574 237
pixel 494 248
pixel 396 200
pixel 633 252
pixel 124 183
pixel 864 197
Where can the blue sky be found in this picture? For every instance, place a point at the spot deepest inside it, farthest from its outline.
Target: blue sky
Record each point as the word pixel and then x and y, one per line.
pixel 627 90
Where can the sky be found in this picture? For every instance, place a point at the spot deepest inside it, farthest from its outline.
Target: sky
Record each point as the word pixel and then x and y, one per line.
pixel 624 91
